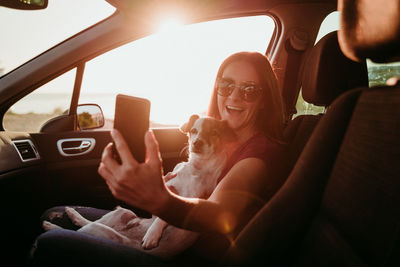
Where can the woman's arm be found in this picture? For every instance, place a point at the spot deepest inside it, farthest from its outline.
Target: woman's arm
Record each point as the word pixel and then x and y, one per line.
pixel 238 194
pixel 141 185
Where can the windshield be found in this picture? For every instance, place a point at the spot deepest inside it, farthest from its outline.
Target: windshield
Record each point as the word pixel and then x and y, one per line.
pixel 27 33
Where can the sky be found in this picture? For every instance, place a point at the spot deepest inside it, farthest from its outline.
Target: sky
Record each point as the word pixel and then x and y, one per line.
pixel 26 33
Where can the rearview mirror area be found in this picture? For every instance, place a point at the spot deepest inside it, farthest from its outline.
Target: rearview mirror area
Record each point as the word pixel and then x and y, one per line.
pixel 25 4
pixel 90 116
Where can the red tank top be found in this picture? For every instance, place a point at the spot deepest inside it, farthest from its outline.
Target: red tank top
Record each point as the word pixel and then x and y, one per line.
pixel 259 146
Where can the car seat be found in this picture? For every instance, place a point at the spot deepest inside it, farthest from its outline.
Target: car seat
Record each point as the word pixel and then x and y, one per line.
pixel 341 204
pixel 327 74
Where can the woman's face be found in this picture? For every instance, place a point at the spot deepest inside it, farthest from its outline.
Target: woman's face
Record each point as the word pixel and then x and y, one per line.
pixel 239 114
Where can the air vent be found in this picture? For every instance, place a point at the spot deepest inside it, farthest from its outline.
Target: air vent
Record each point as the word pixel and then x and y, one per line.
pixel 26 150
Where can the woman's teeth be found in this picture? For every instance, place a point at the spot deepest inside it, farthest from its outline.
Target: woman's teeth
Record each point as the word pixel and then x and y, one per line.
pixel 233 109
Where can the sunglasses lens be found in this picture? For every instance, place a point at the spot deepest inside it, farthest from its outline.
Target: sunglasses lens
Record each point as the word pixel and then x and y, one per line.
pixel 250 93
pixel 224 88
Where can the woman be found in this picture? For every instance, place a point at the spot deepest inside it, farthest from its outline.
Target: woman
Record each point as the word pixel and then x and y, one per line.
pixel 246 95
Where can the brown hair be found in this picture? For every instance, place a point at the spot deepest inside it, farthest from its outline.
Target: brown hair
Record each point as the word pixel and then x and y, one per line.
pixel 271 118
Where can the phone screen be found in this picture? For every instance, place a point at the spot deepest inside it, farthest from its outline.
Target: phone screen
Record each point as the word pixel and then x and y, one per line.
pixel 131 119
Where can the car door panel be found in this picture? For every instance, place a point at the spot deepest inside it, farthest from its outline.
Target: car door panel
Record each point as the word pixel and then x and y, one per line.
pixel 49 148
pixel 74 179
pixel 59 179
pixel 28 188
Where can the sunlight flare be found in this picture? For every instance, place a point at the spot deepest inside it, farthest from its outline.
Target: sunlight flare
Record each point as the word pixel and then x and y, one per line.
pixel 169 25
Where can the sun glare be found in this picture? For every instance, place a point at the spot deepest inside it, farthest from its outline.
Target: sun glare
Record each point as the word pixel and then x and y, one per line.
pixel 174 68
pixel 169 25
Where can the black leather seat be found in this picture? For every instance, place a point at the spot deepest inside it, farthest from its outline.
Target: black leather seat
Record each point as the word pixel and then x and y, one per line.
pixel 327 74
pixel 341 204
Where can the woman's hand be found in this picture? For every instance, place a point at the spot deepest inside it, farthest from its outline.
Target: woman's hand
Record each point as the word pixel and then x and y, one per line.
pixel 138 184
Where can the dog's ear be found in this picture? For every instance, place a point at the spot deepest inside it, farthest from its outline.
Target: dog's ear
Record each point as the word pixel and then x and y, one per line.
pixel 185 128
pixel 227 133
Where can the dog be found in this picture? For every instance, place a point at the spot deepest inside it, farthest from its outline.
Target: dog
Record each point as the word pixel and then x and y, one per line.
pixel 197 178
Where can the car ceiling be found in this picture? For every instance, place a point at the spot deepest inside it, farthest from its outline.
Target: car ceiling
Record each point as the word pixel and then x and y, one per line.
pixel 206 6
pixel 203 9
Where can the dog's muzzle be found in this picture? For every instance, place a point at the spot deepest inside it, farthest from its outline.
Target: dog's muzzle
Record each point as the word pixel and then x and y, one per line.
pixel 197 146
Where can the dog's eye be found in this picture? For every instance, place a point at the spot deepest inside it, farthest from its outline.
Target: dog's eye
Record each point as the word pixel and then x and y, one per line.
pixel 193 131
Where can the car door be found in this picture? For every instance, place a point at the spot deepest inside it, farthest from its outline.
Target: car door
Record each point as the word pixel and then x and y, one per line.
pixel 49 160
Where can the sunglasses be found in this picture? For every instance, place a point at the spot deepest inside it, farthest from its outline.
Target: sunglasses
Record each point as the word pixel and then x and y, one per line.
pixel 248 91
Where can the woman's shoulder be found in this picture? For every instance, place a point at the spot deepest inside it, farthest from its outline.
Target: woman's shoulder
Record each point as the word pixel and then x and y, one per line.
pixel 260 146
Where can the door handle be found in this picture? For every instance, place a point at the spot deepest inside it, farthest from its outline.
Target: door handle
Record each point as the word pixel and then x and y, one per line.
pixel 75 146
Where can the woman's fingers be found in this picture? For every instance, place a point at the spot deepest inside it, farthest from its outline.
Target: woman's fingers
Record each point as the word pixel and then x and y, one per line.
pixel 133 182
pixel 108 160
pixel 104 171
pixel 152 151
pixel 122 148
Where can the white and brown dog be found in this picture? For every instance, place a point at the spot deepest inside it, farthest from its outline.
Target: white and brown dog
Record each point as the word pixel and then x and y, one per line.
pixel 208 139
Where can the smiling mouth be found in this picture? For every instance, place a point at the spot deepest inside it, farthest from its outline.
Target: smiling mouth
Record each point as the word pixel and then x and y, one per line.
pixel 233 109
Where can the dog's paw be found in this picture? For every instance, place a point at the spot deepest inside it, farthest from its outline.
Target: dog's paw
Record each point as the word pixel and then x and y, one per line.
pixel 150 241
pixel 55 215
pixel 47 226
pixel 75 217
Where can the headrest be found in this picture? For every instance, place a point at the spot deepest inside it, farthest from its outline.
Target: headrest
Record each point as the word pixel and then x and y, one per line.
pixel 370 29
pixel 328 73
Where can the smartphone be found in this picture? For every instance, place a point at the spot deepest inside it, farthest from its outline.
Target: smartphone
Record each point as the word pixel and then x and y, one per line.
pixel 131 119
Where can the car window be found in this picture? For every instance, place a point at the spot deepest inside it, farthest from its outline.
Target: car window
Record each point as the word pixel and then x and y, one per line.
pixel 48 101
pixel 175 69
pixel 27 33
pixel 305 108
pixel 329 24
pixel 379 74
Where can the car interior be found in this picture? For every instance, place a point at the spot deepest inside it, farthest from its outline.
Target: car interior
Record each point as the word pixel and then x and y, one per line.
pixel 338 206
